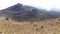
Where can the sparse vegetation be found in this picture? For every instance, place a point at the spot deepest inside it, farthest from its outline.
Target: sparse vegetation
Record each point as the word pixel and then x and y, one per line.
pixel 40 27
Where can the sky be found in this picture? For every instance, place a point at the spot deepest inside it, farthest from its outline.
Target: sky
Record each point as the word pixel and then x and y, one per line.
pixel 46 4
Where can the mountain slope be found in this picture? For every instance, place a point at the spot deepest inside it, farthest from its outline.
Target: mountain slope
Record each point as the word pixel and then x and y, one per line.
pixel 51 26
pixel 21 12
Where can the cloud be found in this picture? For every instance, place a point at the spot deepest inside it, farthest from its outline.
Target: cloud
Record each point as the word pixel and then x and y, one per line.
pixel 48 4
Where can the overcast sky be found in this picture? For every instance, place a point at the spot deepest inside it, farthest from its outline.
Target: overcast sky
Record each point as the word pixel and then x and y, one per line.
pixel 48 4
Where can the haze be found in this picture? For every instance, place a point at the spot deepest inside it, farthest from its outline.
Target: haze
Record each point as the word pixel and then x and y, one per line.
pixel 46 4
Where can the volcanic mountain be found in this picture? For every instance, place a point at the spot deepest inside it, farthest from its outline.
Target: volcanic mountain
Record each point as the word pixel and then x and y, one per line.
pixel 20 12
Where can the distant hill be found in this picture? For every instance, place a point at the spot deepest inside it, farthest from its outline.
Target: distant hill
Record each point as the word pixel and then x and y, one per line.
pixel 20 12
pixel 55 9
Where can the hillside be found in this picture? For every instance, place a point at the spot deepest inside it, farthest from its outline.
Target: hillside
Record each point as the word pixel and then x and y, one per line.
pixel 51 26
pixel 23 19
pixel 20 12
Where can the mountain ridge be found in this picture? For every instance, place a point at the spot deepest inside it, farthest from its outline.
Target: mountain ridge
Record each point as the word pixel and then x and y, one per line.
pixel 21 12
